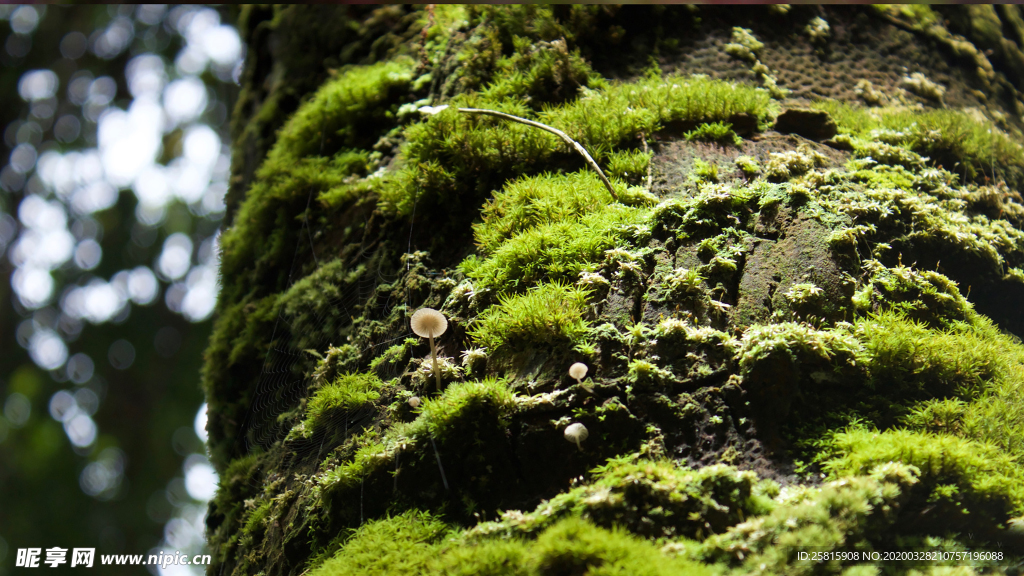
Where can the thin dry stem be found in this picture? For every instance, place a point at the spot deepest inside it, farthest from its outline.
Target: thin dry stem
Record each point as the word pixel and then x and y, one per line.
pixel 579 147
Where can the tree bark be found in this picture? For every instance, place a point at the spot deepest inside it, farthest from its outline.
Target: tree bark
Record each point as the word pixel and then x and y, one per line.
pixel 802 248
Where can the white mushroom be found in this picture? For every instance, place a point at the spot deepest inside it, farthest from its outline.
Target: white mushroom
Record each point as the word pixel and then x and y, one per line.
pixel 577 433
pixel 414 402
pixel 578 371
pixel 427 323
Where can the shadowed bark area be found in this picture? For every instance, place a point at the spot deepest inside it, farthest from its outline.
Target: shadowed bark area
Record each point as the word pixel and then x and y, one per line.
pixel 793 308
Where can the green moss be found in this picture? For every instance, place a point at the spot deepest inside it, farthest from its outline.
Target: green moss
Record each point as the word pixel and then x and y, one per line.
pixel 598 121
pixel 440 416
pixel 718 132
pixel 714 208
pixel 417 543
pixel 535 200
pixel 984 475
pixel 316 153
pixel 785 165
pixel 744 45
pixel 577 547
pixel 401 544
pixel 969 145
pixel 629 165
pixel 925 296
pixel 938 416
pixel 851 513
pixel 345 394
pixel 462 408
pixel 748 165
pixel 558 251
pixel 797 343
pixel 906 358
pixel 548 314
pixel 652 499
pixel 917 356
pixel 705 171
pixel 541 73
pixel 255 523
pixel 239 482
pixel 452 154
pixel 396 354
pixel 360 102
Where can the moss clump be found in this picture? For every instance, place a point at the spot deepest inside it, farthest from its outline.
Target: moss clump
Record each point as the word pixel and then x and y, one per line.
pixel 417 543
pixel 651 499
pixel 452 154
pixel 536 200
pixel 852 513
pixel 938 416
pixel 785 165
pixel 920 84
pixel 541 73
pixel 558 251
pixel 718 132
pixel 925 296
pixel 748 165
pixel 906 358
pixel 973 146
pixel 630 166
pixel 798 343
pixel 345 394
pixel 461 401
pixel 345 111
pixel 463 408
pixel 705 171
pixel 744 45
pixel 548 314
pixel 986 480
pixel 401 544
pixel 238 484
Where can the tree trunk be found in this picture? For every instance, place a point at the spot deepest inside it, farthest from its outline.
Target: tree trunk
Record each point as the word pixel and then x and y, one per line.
pixel 806 280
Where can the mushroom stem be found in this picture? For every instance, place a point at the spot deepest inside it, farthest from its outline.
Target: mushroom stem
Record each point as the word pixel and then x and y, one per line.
pixel 578 445
pixel 433 356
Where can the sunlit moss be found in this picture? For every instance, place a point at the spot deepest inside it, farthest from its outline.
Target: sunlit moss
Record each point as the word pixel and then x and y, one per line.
pixel 345 394
pixel 548 314
pixel 417 543
pixel 653 499
pixel 559 250
pixel 984 475
pixel 451 152
pixel 532 201
pixel 718 132
pixel 919 294
pixel 951 138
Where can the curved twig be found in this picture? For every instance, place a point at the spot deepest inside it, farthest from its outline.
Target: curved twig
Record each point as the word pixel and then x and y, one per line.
pixel 576 145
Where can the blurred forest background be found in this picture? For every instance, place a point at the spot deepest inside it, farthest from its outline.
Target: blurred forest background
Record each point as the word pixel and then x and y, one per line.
pixel 114 169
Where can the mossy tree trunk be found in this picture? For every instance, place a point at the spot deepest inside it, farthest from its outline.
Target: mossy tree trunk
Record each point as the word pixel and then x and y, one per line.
pixel 807 279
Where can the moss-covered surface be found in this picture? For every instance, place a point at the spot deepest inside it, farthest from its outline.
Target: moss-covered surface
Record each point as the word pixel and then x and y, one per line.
pixel 790 342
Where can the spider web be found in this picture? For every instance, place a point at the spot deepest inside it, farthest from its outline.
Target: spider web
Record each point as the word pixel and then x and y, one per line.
pixel 286 377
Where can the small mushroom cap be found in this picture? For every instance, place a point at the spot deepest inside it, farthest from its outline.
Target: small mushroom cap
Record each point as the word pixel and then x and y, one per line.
pixel 427 322
pixel 578 370
pixel 576 432
pixel 414 402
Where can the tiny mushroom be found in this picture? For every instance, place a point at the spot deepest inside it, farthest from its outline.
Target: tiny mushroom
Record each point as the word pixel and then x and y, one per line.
pixel 414 402
pixel 577 433
pixel 578 371
pixel 427 323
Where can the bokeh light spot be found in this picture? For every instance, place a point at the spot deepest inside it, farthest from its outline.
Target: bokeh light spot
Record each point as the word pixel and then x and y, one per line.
pixel 121 354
